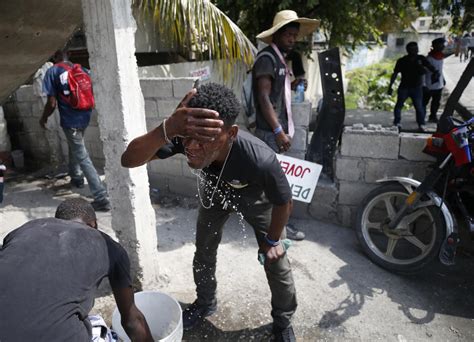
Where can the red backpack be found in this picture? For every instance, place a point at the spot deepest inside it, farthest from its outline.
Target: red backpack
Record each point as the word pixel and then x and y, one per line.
pixel 80 96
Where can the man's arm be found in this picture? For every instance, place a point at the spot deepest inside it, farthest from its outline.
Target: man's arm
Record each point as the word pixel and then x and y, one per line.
pixel 392 79
pixel 280 216
pixel 133 321
pixel 264 87
pixel 199 123
pixel 395 73
pixel 49 108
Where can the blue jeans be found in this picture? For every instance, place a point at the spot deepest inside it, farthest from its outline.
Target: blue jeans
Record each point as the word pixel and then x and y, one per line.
pixel 80 164
pixel 416 95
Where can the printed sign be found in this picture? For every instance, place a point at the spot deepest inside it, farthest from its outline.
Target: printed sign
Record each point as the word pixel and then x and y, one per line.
pixel 203 73
pixel 302 176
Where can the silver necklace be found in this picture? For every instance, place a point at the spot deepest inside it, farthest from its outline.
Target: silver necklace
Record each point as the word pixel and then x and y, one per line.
pixel 217 184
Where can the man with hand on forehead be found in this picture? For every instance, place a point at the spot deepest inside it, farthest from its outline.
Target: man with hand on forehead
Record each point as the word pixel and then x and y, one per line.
pixel 237 172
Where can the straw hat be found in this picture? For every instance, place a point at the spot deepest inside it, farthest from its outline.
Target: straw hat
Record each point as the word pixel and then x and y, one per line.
pixel 282 18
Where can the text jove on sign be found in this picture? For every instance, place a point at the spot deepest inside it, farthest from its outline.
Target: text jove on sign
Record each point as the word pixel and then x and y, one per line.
pixel 302 176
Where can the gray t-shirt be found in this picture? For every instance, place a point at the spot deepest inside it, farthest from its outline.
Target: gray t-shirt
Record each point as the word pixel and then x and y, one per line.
pixel 50 270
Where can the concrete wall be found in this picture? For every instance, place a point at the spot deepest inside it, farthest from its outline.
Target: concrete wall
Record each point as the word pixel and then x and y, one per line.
pixel 364 56
pixel 178 70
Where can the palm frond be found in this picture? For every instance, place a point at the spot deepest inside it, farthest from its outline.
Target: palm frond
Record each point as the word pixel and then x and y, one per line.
pixel 198 26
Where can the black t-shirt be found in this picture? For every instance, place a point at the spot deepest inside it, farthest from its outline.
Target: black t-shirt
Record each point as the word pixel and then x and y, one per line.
pixel 50 270
pixel 252 169
pixel 412 70
pixel 264 66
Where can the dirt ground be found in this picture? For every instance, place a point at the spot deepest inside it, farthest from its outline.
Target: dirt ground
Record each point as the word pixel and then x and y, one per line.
pixel 342 295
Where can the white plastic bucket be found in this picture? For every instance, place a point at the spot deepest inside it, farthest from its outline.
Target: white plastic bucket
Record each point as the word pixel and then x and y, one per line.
pixel 163 315
pixel 18 159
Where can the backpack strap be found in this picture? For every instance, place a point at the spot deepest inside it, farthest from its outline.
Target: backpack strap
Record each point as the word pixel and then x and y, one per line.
pixel 267 54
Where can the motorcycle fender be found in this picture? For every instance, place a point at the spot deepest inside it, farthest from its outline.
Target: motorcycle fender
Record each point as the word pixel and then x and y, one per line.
pixel 409 183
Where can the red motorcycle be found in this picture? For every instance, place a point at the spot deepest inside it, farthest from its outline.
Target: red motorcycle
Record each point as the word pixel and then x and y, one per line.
pixel 404 224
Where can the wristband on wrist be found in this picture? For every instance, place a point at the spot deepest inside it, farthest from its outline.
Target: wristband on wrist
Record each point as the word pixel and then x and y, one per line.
pixel 278 130
pixel 271 242
pixel 163 125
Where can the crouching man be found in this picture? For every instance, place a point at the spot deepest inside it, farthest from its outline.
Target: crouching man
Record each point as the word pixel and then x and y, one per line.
pixel 50 270
pixel 237 173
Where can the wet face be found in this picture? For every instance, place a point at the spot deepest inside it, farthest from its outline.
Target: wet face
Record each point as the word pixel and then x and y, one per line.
pixel 201 154
pixel 286 38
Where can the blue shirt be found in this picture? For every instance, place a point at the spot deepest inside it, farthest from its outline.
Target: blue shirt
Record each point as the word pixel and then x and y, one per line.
pixel 54 84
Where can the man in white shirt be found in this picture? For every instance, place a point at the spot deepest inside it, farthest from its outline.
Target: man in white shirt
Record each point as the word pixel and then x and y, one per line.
pixel 434 82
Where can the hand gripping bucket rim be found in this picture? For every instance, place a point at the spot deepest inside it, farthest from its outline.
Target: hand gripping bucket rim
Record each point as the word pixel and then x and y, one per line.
pixel 157 307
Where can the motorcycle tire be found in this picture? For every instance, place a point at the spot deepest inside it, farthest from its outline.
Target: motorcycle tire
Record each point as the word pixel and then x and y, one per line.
pixel 425 233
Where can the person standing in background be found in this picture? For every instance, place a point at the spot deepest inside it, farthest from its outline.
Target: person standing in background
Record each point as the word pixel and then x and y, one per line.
pixel 413 68
pixel 464 48
pixel 272 86
pixel 74 123
pixel 434 82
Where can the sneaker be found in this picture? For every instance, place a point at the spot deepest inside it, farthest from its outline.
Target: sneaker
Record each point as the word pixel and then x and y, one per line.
pixel 78 183
pixel 433 119
pixel 284 335
pixel 294 234
pixel 422 128
pixel 102 205
pixel 196 313
pixel 399 127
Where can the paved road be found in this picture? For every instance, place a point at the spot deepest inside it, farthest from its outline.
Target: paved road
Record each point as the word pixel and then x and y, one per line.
pixel 342 295
pixel 453 70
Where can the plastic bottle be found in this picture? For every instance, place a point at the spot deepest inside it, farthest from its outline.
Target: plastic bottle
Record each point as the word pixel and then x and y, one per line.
pixel 299 92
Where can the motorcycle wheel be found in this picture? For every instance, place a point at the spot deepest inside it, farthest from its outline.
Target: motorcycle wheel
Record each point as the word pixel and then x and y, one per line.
pixel 409 247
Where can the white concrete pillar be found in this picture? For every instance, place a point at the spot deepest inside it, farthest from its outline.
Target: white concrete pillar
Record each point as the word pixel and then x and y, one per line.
pixel 110 31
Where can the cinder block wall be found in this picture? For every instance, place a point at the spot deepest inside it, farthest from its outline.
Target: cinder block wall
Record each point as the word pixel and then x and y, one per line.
pixel 368 154
pixel 23 111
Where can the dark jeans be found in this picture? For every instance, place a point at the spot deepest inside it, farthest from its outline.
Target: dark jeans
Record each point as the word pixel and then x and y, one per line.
pixel 257 212
pixel 1 191
pixel 435 96
pixel 416 95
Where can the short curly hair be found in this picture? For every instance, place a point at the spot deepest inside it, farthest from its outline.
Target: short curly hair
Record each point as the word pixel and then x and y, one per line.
pixel 76 208
pixel 219 98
